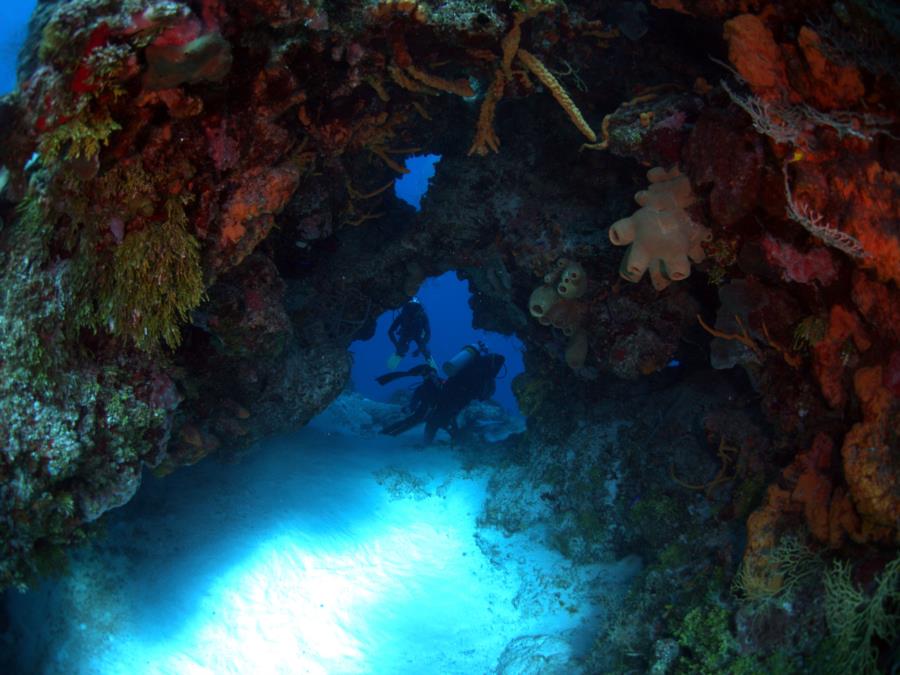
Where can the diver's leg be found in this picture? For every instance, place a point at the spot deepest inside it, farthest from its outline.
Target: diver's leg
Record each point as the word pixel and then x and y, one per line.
pixel 430 431
pixel 405 424
pixel 402 346
pixel 426 354
pixel 422 349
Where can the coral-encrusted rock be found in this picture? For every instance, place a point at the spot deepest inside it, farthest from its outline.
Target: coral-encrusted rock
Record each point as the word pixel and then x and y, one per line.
pixel 708 8
pixel 864 203
pixel 245 312
pixel 816 265
pixel 206 57
pixel 870 459
pixel 891 380
pixel 735 175
pixel 764 528
pixel 287 12
pixel 831 353
pixel 756 56
pixel 654 130
pixel 248 215
pixel 645 335
pixel 878 303
pixel 827 85
pixel 814 485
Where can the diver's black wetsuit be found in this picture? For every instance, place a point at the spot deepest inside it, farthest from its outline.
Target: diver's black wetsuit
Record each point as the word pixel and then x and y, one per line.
pixel 474 381
pixel 411 325
pixel 439 403
pixel 424 398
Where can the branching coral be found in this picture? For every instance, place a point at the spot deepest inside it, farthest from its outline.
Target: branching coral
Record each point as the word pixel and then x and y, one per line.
pixel 662 236
pixel 790 562
pixel 857 620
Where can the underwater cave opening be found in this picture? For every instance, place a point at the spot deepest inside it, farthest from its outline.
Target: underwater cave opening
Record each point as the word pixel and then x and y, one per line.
pixel 411 187
pixel 446 301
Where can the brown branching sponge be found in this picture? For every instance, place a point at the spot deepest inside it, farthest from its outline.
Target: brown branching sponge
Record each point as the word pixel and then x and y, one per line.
pixel 404 81
pixel 510 45
pixel 459 87
pixel 485 136
pixel 539 70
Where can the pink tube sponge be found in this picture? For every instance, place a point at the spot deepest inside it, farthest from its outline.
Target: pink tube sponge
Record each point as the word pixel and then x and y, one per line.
pixel 662 236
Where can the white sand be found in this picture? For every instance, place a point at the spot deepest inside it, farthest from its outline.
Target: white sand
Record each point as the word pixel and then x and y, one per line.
pixel 319 553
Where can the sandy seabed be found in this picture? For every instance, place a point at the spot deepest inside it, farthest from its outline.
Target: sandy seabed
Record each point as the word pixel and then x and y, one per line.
pixel 318 553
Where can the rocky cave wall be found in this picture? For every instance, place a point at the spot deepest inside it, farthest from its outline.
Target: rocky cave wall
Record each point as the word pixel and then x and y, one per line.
pixel 199 218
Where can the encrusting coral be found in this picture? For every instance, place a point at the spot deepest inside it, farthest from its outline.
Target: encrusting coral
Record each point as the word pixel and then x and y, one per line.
pixel 663 237
pixel 870 466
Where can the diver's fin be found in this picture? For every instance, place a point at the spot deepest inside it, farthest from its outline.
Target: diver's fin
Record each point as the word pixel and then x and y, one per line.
pixel 394 361
pixel 388 377
pixel 421 370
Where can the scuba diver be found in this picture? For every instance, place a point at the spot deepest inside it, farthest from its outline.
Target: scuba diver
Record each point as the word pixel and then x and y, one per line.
pixel 472 373
pixel 411 325
pixel 423 401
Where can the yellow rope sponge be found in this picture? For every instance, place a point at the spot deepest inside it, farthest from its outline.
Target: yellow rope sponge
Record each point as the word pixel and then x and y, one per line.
pixel 548 80
pixel 662 235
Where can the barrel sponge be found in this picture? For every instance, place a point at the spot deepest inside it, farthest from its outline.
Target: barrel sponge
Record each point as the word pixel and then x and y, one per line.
pixel 572 281
pixel 663 239
pixel 541 300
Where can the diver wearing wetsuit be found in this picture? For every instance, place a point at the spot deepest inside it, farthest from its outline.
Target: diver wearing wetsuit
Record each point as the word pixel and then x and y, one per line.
pixel 424 398
pixel 411 325
pixel 437 402
pixel 475 381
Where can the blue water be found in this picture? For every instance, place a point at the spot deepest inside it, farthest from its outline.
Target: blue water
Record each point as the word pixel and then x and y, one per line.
pixel 13 22
pixel 411 187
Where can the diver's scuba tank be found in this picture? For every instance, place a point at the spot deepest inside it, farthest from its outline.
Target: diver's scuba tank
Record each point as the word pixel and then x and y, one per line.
pixel 464 357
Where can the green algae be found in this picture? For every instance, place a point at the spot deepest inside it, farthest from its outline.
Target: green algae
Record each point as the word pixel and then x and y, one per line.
pixel 156 280
pixel 705 635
